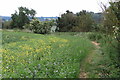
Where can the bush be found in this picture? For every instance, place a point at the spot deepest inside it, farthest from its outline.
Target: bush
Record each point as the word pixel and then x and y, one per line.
pixel 75 29
pixel 109 49
pixel 95 36
pixel 7 25
pixel 37 26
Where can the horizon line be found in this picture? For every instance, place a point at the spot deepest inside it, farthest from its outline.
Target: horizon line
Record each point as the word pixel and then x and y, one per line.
pixel 35 16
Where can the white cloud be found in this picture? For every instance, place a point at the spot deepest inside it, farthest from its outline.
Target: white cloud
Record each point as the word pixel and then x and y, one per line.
pixel 49 7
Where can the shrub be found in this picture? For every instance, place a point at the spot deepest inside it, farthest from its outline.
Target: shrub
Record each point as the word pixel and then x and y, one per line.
pixel 37 26
pixel 95 36
pixel 7 25
pixel 75 29
pixel 110 52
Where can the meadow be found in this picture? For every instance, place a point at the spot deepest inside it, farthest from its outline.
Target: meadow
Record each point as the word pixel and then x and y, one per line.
pixel 28 55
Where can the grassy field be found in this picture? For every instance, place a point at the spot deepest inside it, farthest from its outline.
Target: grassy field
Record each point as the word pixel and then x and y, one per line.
pixel 28 55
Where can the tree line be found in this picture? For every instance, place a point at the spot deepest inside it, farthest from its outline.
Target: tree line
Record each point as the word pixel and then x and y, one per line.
pixel 82 21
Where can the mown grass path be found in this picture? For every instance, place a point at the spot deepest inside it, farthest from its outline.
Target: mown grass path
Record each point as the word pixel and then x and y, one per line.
pixel 90 67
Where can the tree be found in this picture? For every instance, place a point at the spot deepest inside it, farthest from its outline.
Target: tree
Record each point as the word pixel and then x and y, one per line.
pixel 85 21
pixel 81 21
pixel 32 13
pixel 115 9
pixel 19 19
pixel 66 21
pixel 112 28
pixel 111 17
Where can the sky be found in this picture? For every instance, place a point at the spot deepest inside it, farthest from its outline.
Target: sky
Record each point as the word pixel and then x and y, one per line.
pixel 50 8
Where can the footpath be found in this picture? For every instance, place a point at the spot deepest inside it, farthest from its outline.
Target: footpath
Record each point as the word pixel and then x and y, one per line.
pixel 90 65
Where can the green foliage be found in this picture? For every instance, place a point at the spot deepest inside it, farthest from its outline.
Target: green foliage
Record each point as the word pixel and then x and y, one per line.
pixel 97 27
pixel 110 41
pixel 75 29
pixel 109 47
pixel 7 25
pixel 19 19
pixel 81 21
pixel 66 21
pixel 40 27
pixel 85 21
pixel 113 18
pixel 110 53
pixel 42 56
pixel 12 37
pixel 95 36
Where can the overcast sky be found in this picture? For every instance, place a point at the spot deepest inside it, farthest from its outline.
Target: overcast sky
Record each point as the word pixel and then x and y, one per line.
pixel 50 8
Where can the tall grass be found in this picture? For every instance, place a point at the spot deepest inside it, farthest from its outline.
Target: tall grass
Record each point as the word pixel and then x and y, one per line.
pixel 110 53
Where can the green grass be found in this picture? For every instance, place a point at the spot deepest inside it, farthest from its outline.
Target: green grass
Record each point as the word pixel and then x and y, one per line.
pixel 28 55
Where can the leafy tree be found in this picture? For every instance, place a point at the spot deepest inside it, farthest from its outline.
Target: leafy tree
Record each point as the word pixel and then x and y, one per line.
pixel 115 9
pixel 81 21
pixel 32 13
pixel 112 29
pixel 66 21
pixel 19 19
pixel 85 21
pixel 112 18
